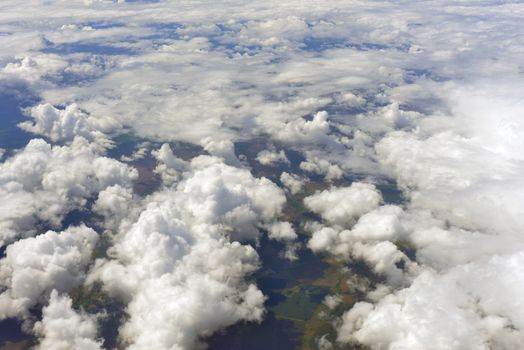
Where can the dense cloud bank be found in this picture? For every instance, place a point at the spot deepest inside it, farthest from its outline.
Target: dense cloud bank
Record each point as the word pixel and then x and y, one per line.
pixel 427 95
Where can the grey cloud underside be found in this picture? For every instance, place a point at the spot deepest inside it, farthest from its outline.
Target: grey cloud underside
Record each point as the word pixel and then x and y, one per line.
pixel 425 95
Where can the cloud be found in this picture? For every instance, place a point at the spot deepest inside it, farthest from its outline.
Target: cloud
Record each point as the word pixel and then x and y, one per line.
pixel 33 267
pixel 398 118
pixel 223 148
pixel 180 266
pixel 115 203
pixel 141 151
pixel 282 231
pixel 41 183
pixel 324 344
pixel 33 68
pixel 372 239
pixel 332 301
pixel 458 306
pixel 170 167
pixel 300 131
pixel 468 257
pixel 454 180
pixel 464 250
pixel 63 125
pixel 322 167
pixel 342 206
pixel 359 89
pixel 268 157
pixel 292 182
pixel 63 328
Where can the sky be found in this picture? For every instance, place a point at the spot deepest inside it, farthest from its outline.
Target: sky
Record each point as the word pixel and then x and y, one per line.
pixel 345 94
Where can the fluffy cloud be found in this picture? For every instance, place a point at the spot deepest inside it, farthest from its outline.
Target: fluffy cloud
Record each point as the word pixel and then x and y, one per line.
pixel 320 166
pixel 33 68
pixel 454 180
pixel 223 148
pixel 268 157
pixel 342 206
pixel 451 310
pixel 34 266
pixel 332 301
pixel 141 150
pixel 397 118
pixel 370 240
pixel 170 166
pixel 62 125
pixel 115 203
pixel 62 328
pixel 44 182
pixel 466 237
pixel 306 131
pixel 179 265
pixel 292 182
pixel 282 231
pixel 462 251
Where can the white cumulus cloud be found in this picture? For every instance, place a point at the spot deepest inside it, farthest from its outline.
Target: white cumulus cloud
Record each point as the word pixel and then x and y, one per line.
pixel 35 266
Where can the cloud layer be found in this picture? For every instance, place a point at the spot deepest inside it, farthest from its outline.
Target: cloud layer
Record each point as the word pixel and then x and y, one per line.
pixel 340 96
